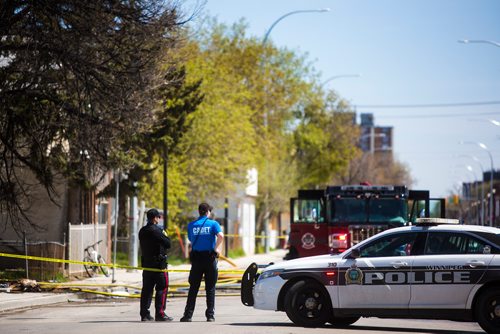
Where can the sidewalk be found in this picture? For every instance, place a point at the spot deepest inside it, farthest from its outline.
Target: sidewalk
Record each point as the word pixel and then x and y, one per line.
pixel 19 300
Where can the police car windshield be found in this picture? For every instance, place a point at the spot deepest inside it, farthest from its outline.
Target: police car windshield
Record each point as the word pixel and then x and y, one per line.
pixel 389 211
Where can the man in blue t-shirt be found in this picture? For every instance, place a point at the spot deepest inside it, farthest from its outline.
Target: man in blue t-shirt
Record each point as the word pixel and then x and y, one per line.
pixel 206 239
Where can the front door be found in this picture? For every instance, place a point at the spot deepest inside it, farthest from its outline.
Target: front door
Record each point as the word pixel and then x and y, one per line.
pixel 379 278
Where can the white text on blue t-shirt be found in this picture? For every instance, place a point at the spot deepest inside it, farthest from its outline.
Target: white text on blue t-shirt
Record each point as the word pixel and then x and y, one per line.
pixel 201 230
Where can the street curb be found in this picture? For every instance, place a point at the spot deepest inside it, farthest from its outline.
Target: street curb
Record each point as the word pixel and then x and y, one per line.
pixel 16 301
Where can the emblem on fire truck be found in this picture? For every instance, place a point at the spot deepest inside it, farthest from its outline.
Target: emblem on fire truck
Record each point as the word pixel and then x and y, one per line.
pixel 308 241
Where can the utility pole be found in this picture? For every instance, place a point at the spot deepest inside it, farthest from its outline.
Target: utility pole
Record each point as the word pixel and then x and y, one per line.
pixel 226 225
pixel 115 232
pixel 165 190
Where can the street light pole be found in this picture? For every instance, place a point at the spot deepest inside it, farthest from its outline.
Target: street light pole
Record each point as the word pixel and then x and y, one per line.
pixel 266 125
pixel 165 191
pixel 117 177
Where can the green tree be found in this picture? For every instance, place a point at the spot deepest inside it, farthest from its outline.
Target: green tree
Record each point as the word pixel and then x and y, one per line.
pixel 325 141
pixel 220 145
pixel 76 80
pixel 251 92
pixel 261 109
pixel 159 146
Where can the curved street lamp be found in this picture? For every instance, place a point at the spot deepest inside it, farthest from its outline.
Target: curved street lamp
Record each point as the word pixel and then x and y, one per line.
pixel 264 41
pixel 322 10
pixel 467 41
pixel 340 76
pixel 484 147
pixel 494 122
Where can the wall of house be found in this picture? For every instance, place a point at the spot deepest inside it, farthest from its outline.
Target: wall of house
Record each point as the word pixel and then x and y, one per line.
pixel 50 217
pixel 47 239
pixel 47 236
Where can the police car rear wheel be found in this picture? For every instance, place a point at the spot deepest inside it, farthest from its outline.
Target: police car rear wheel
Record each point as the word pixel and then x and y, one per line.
pixel 307 304
pixel 487 310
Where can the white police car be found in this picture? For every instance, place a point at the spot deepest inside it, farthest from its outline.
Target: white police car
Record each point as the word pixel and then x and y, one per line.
pixel 433 270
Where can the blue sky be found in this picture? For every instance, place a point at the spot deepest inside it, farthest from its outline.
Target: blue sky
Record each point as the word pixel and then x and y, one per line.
pixel 407 54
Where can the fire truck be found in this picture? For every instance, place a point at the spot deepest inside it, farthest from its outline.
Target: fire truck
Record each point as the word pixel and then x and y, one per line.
pixel 333 219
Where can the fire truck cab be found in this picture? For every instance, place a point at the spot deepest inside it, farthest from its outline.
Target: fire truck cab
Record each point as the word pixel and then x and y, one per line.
pixel 332 220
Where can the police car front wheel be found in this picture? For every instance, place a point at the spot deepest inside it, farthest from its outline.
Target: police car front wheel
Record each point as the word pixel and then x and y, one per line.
pixel 307 304
pixel 487 310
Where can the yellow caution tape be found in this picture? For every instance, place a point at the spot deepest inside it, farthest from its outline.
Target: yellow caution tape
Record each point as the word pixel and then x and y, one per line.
pixel 61 285
pixel 94 264
pixel 137 295
pixel 223 281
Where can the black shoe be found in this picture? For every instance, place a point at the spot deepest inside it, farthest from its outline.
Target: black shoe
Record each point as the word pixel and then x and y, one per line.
pixel 210 319
pixel 186 319
pixel 147 318
pixel 164 318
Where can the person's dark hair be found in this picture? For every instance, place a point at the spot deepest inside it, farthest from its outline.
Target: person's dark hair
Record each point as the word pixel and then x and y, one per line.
pixel 152 213
pixel 203 208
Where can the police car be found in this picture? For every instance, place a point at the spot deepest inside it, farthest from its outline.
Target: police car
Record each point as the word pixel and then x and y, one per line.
pixel 435 269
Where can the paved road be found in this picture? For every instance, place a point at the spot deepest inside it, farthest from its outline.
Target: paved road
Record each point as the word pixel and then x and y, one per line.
pixel 121 317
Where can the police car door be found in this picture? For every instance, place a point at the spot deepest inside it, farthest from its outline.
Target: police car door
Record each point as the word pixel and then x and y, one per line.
pixel 446 273
pixel 378 279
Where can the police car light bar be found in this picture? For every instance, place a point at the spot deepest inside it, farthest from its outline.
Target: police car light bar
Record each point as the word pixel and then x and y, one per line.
pixel 436 221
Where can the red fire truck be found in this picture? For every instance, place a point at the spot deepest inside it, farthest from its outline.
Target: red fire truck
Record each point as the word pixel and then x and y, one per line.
pixel 333 219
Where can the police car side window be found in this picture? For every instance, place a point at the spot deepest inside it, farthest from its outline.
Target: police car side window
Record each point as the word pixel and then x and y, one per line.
pixel 391 245
pixel 453 243
pixel 475 246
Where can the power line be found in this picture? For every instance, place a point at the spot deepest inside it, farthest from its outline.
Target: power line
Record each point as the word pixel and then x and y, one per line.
pixel 440 115
pixel 430 105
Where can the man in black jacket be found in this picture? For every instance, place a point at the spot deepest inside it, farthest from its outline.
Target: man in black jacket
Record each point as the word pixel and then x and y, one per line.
pixel 154 244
